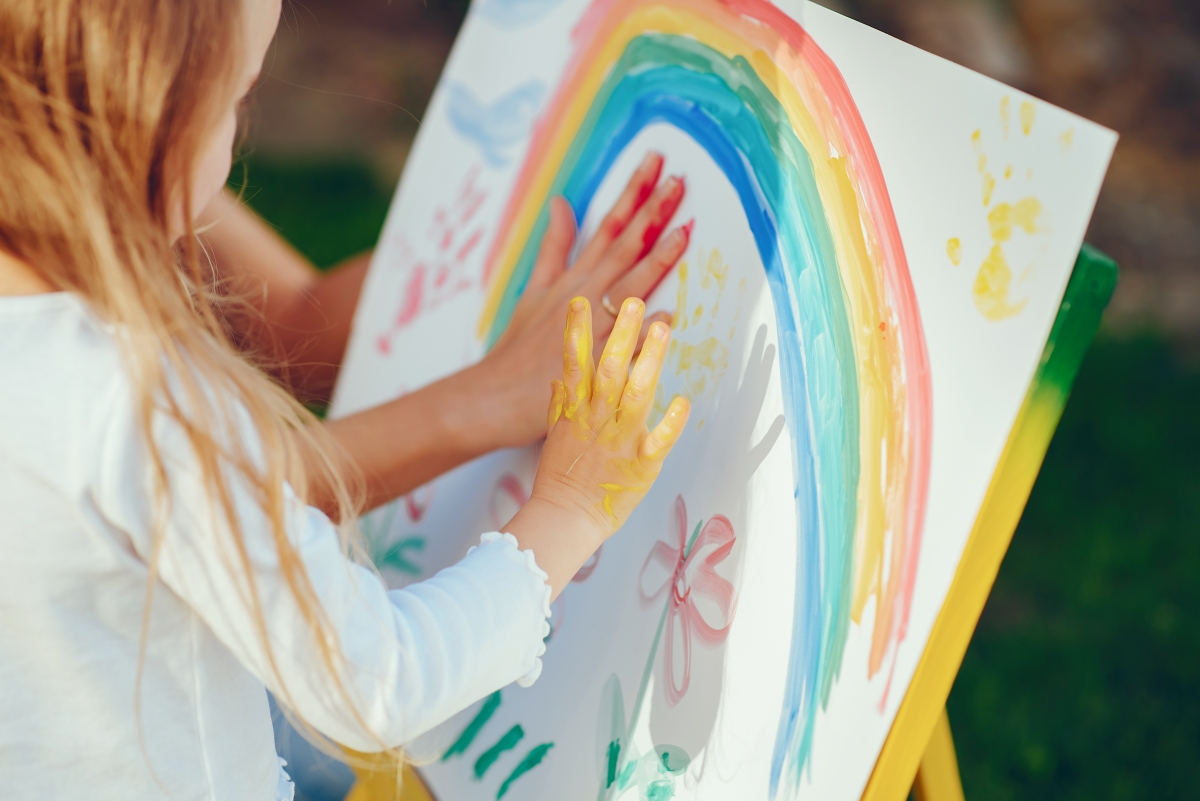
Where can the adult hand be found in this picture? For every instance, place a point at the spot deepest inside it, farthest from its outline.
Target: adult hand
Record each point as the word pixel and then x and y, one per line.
pixel 626 258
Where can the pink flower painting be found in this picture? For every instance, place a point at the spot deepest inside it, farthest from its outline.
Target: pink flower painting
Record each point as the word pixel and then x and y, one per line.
pixel 688 571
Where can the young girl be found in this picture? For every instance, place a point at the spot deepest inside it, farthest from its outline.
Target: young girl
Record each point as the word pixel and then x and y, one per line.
pixel 160 559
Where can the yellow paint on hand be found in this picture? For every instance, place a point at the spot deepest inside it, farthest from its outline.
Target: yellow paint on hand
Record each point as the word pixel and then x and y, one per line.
pixel 1028 110
pixel 612 490
pixel 1005 113
pixel 660 405
pixel 954 250
pixel 577 353
pixel 1067 138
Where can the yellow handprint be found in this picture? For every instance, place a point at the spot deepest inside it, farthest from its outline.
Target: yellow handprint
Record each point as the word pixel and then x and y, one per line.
pixel 993 288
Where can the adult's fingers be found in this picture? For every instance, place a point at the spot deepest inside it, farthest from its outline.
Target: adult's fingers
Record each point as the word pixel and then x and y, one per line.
pixel 645 275
pixel 613 370
pixel 658 443
pixel 642 232
pixel 637 191
pixel 638 398
pixel 556 245
pixel 578 369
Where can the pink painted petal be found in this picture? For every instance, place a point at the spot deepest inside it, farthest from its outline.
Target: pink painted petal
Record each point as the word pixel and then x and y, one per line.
pixel 665 557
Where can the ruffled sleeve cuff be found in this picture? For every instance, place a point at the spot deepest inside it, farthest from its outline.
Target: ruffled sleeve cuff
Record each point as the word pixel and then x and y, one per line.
pixel 507 543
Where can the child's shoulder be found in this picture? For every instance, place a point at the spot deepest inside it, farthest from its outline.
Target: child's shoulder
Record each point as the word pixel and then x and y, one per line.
pixel 62 377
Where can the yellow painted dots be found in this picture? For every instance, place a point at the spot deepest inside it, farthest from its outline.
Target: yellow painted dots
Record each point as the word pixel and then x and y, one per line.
pixel 1005 114
pixel 954 250
pixel 1067 138
pixel 989 186
pixel 1028 110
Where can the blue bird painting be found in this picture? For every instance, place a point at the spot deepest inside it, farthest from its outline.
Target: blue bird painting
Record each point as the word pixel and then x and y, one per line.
pixel 515 13
pixel 497 127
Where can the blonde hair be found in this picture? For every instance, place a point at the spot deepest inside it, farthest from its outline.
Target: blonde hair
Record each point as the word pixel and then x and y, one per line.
pixel 104 107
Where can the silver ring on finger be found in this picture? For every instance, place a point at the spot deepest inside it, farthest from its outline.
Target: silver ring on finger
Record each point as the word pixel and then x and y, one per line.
pixel 608 306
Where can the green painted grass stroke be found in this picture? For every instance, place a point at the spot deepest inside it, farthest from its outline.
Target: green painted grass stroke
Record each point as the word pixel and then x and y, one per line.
pixel 531 761
pixel 506 743
pixel 469 734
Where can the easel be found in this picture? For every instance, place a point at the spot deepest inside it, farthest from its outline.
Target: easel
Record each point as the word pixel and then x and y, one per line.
pixel 919 751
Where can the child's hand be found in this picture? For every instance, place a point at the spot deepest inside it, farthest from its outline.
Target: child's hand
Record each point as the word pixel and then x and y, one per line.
pixel 599 460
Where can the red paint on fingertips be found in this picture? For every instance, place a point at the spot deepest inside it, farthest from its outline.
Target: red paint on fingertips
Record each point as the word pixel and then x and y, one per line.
pixel 652 165
pixel 673 195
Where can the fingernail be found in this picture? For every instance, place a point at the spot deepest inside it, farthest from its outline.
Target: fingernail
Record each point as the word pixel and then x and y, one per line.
pixel 578 304
pixel 674 185
pixel 649 160
pixel 679 236
pixel 631 305
pixel 659 330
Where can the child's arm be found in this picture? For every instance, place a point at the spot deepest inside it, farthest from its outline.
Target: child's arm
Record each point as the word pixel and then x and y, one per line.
pixel 409 658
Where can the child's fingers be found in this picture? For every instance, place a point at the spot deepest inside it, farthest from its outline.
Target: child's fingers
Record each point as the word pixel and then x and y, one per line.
pixel 558 394
pixel 614 362
pixel 658 317
pixel 658 443
pixel 578 369
pixel 638 398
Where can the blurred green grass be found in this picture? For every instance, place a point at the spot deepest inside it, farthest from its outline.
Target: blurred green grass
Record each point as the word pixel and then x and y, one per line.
pixel 329 209
pixel 1083 678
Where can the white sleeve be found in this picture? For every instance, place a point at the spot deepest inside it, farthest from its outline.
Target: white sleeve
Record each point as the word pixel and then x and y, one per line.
pixel 413 657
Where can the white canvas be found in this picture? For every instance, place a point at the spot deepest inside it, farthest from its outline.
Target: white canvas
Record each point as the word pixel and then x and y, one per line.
pixel 939 132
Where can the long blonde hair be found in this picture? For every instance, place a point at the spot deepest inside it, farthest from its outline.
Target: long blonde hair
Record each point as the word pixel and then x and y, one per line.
pixel 104 107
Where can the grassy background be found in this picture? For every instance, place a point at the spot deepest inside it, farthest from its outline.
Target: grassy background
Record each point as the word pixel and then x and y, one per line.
pixel 1083 678
pixel 328 209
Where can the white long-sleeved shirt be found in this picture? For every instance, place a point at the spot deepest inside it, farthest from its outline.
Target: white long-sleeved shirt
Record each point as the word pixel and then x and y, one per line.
pixel 75 544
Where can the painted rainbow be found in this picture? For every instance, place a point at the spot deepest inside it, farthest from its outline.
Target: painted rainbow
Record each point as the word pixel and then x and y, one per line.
pixel 749 85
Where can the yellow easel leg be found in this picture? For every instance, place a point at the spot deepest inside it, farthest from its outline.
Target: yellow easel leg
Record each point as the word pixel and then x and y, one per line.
pixel 378 782
pixel 937 778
